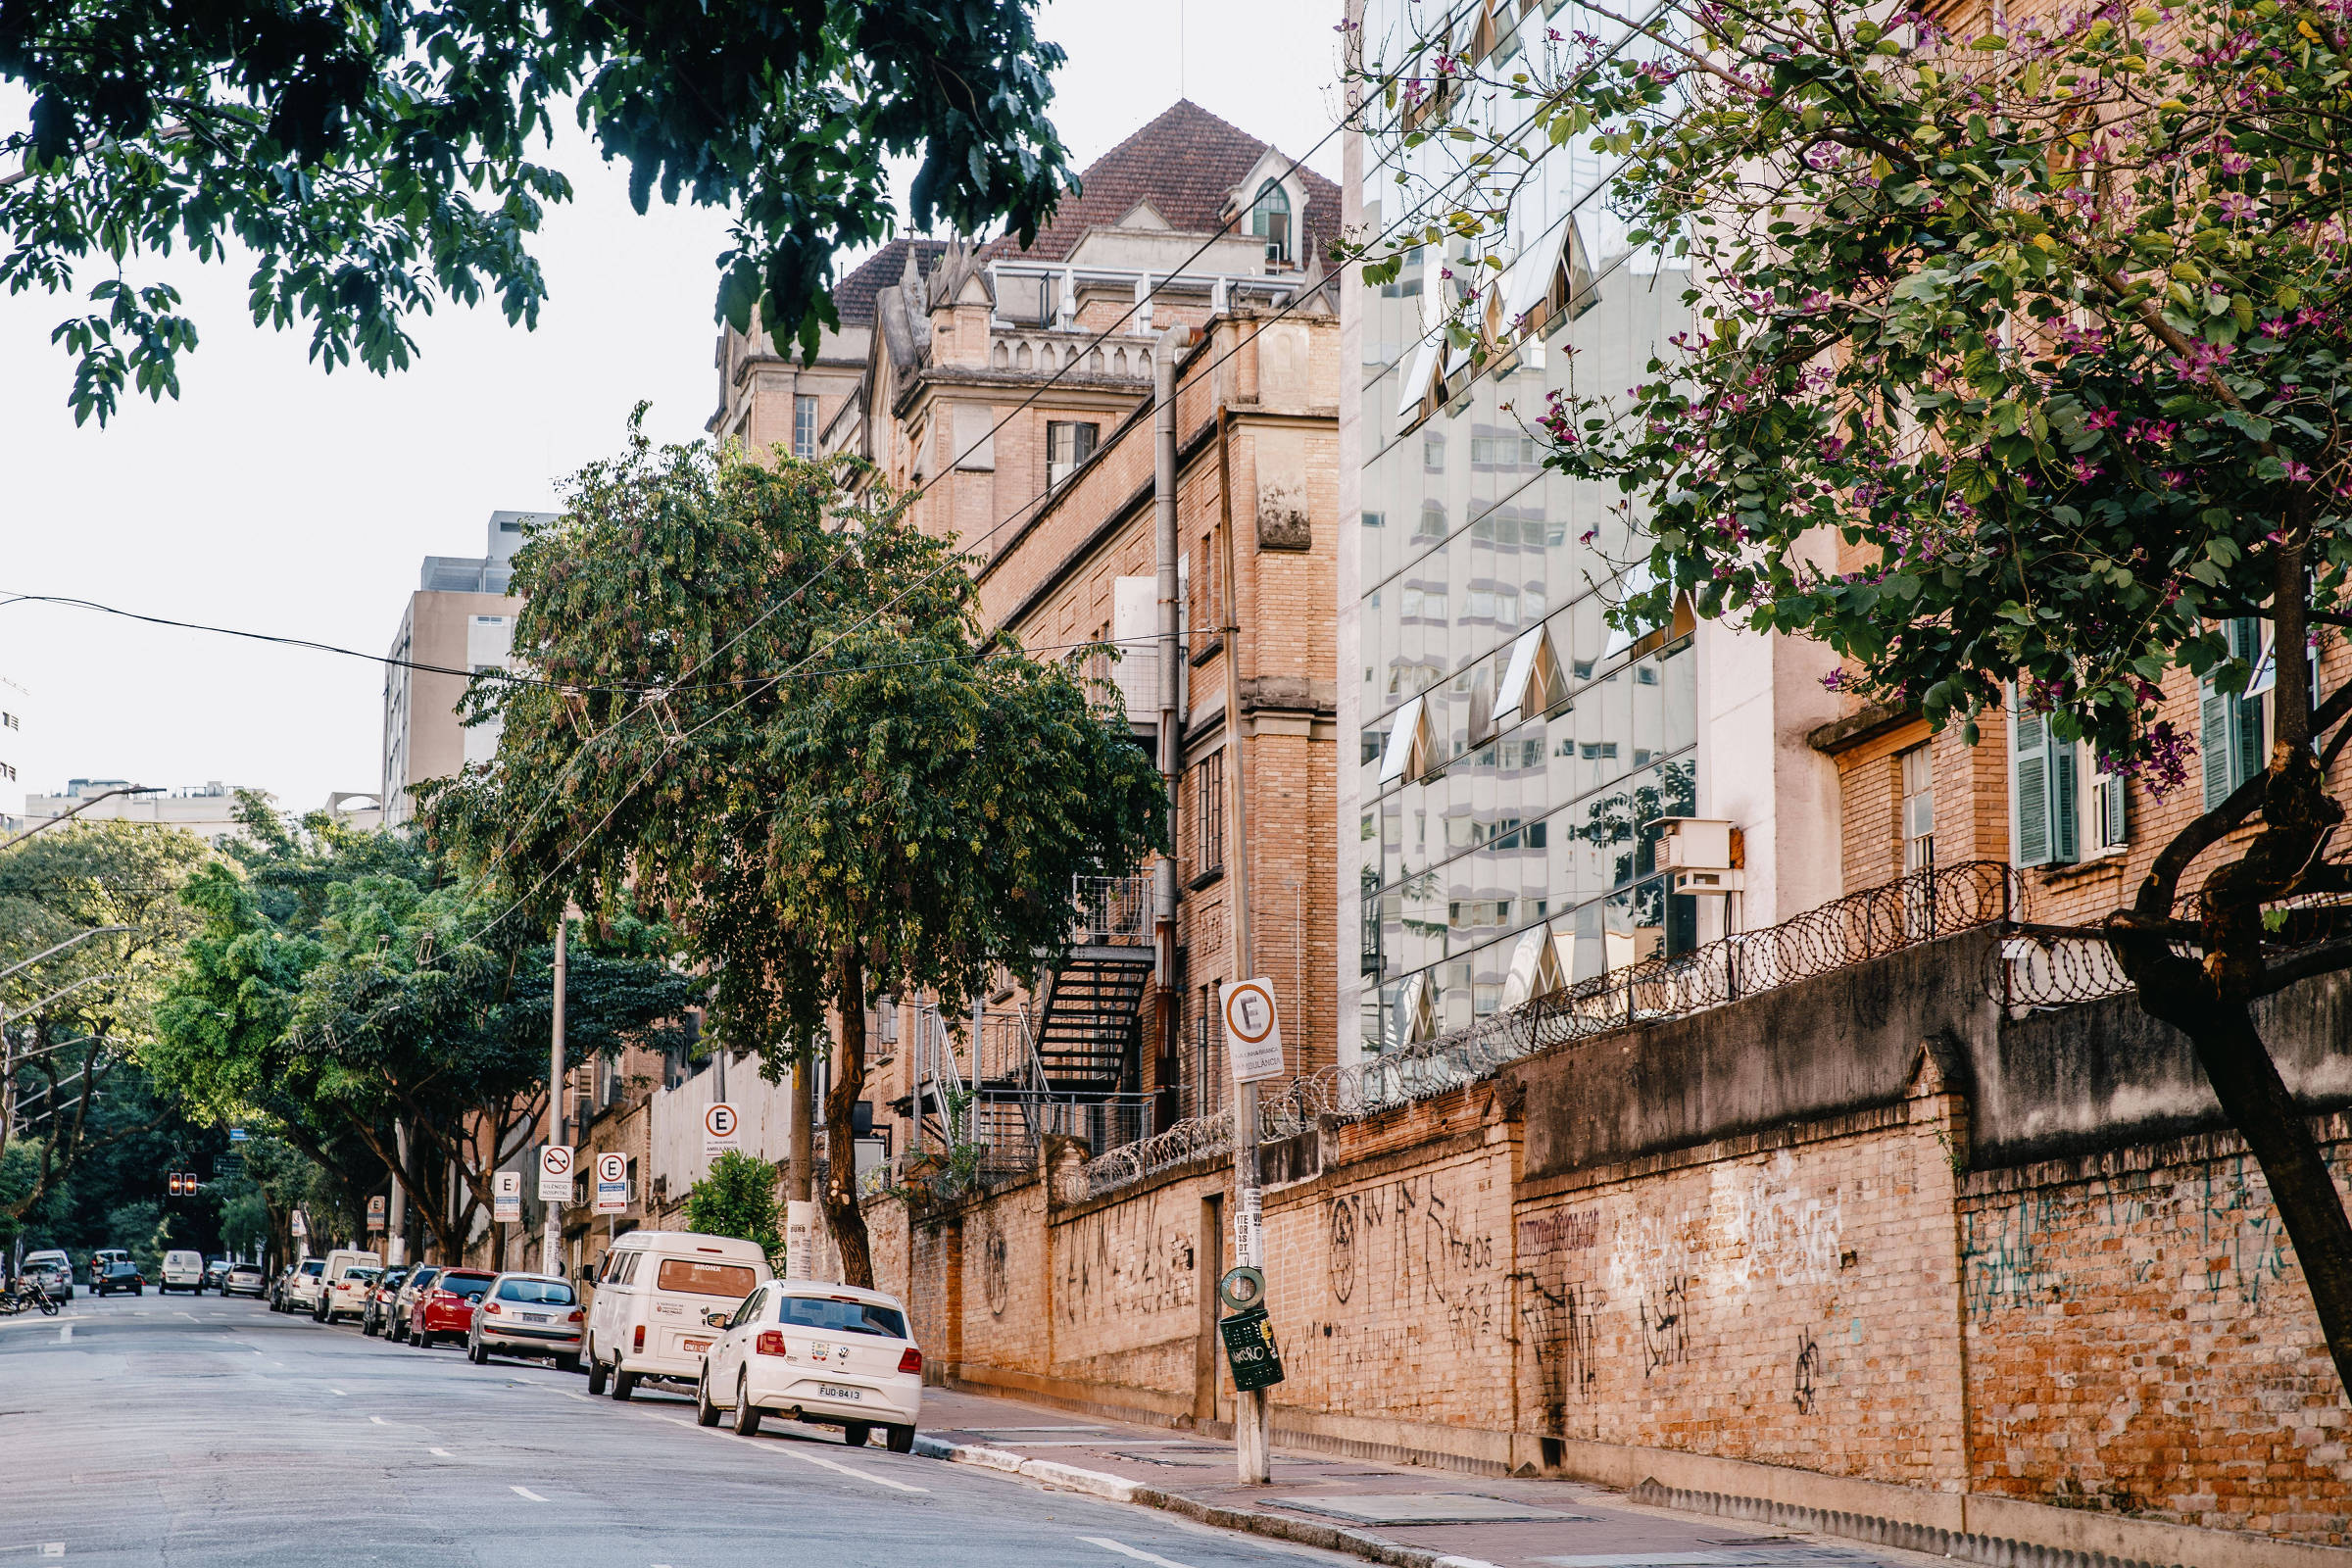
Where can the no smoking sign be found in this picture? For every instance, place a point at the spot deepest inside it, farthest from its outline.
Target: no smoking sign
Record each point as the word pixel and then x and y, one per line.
pixel 1253 1029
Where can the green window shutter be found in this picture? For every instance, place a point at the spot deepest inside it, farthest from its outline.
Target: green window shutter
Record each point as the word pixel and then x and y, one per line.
pixel 2114 824
pixel 2063 816
pixel 2212 744
pixel 2030 781
pixel 2245 712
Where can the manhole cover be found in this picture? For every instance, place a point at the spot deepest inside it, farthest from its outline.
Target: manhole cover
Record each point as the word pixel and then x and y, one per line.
pixel 1428 1509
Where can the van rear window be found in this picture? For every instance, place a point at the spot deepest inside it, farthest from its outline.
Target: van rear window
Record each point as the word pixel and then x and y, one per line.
pixel 696 1278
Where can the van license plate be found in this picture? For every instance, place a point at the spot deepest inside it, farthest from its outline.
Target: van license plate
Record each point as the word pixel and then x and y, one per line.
pixel 695 1346
pixel 834 1391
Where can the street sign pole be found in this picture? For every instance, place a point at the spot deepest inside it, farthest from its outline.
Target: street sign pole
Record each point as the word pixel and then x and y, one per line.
pixel 1252 1418
pixel 552 1243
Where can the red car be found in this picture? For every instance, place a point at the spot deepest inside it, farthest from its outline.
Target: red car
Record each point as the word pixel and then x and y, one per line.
pixel 446 1311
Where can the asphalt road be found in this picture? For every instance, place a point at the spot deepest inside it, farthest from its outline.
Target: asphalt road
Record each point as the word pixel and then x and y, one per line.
pixel 194 1430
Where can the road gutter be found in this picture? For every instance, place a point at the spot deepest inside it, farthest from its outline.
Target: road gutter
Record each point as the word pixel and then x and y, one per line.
pixel 1250 1521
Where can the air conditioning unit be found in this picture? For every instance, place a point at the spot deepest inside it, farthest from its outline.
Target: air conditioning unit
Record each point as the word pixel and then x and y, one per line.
pixel 1705 854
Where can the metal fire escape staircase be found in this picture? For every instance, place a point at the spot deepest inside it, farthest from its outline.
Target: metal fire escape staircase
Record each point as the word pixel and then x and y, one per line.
pixel 1073 1064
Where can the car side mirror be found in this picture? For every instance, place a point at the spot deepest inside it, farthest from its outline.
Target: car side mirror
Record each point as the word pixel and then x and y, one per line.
pixel 715 1319
pixel 588 1277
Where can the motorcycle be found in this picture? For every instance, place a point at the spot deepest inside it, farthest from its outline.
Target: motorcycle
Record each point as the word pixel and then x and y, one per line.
pixel 26 1295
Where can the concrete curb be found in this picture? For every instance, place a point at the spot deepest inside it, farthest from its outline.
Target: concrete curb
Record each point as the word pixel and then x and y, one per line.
pixel 1118 1488
pixel 1996 1552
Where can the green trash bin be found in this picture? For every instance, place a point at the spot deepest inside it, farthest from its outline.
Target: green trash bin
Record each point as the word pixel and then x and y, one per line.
pixel 1249 1349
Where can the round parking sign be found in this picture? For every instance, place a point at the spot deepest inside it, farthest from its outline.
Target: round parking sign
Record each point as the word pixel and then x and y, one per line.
pixel 612 1167
pixel 719 1121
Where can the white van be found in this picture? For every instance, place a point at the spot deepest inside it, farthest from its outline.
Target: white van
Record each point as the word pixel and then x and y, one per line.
pixel 649 1315
pixel 182 1271
pixel 339 1262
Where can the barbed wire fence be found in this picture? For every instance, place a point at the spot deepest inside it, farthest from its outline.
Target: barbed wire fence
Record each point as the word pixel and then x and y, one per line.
pixel 1861 926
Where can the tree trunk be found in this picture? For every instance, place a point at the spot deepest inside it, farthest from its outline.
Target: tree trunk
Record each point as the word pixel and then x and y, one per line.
pixel 841 1135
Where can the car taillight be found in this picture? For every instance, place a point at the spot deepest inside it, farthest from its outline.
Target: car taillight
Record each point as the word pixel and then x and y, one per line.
pixel 575 1315
pixel 443 1297
pixel 769 1343
pixel 912 1360
pixel 496 1311
pixel 638 1341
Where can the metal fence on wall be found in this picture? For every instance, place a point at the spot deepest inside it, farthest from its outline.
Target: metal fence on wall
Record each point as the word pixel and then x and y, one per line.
pixel 1854 929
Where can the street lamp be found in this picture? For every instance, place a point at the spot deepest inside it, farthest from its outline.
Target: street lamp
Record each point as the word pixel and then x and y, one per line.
pixel 67 816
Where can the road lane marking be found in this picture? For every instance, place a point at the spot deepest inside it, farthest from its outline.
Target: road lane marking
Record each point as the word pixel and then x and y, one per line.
pixel 379 1420
pixel 582 1397
pixel 1125 1550
pixel 66 1334
pixel 862 1475
pixel 339 1393
pixel 443 1452
pixel 526 1491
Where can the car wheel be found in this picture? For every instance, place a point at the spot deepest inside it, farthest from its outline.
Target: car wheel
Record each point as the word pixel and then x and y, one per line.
pixel 479 1354
pixel 900 1439
pixel 595 1374
pixel 747 1414
pixel 624 1381
pixel 705 1415
pixel 855 1434
pixel 569 1362
pixel 420 1340
pixel 398 1332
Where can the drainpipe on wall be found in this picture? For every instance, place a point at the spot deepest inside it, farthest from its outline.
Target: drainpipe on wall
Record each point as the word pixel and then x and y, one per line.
pixel 1174 341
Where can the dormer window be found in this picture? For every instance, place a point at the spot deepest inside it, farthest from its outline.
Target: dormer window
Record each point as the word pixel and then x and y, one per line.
pixel 1270 220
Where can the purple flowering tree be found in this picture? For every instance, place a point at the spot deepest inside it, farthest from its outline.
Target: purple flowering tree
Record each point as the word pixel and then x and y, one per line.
pixel 2044 334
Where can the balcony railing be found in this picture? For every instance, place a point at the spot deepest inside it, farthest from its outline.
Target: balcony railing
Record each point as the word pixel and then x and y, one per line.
pixel 1113 910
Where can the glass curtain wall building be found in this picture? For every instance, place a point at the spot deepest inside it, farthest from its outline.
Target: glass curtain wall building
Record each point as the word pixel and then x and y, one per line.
pixel 1512 748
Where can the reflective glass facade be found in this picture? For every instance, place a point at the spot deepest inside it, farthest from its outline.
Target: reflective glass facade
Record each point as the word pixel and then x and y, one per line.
pixel 1513 847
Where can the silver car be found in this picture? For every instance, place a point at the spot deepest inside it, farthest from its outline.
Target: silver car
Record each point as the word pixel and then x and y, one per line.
pixel 528 1314
pixel 404 1301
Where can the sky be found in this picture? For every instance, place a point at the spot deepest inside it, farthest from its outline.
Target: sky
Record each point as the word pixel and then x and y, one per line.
pixel 274 497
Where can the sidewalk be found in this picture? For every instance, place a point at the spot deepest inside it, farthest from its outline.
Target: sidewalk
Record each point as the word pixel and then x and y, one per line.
pixel 1396 1514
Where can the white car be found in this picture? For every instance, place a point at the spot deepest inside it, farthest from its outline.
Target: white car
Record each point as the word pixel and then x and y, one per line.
pixel 182 1271
pixel 831 1354
pixel 653 1297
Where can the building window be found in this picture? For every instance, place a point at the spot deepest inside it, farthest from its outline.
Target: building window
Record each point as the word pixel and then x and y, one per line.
pixel 1270 220
pixel 1919 809
pixel 10 720
pixel 1067 445
pixel 1208 814
pixel 2043 808
pixel 803 428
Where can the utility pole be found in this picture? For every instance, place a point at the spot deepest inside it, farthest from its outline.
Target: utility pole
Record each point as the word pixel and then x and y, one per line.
pixel 800 1172
pixel 551 1261
pixel 397 1252
pixel 1253 1422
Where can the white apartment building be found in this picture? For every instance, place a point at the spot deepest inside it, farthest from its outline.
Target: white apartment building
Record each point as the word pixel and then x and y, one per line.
pixel 17 763
pixel 460 622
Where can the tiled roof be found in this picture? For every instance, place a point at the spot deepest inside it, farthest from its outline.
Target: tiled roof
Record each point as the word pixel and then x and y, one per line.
pixel 1185 162
pixel 855 296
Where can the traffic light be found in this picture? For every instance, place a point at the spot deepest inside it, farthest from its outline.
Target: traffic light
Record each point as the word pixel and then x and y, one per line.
pixel 183 1184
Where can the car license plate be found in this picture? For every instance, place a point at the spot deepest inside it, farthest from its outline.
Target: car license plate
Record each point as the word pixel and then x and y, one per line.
pixel 834 1391
pixel 695 1346
pixel 534 1317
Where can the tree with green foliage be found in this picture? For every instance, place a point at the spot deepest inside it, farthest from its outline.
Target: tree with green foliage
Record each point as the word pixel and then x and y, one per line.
pixel 770 715
pixel 78 1019
pixel 738 1199
pixel 368 1006
pixel 2049 327
pixel 375 161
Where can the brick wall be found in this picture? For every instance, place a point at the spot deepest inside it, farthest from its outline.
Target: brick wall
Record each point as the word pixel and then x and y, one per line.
pixel 2110 1344
pixel 2139 1340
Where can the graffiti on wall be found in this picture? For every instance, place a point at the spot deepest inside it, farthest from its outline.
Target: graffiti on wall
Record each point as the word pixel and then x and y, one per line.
pixel 1128 1260
pixel 1404 1260
pixel 1563 1328
pixel 1792 1235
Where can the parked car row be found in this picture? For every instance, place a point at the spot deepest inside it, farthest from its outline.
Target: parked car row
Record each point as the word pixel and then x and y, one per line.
pixel 699 1314
pixel 110 1272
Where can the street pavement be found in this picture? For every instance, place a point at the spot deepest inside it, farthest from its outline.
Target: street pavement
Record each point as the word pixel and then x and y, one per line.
pixel 1488 1520
pixel 196 1431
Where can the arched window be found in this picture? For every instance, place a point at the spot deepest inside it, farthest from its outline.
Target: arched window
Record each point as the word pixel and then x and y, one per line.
pixel 1270 220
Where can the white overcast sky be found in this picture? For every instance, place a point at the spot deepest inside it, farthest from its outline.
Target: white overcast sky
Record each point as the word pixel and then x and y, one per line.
pixel 275 497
